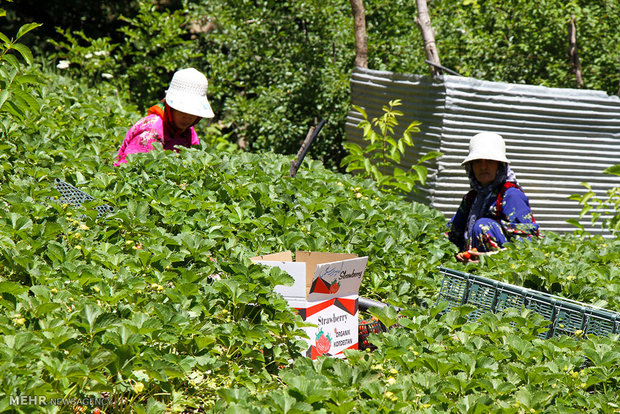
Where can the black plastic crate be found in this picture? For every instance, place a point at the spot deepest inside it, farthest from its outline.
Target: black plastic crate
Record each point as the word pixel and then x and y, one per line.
pixel 76 197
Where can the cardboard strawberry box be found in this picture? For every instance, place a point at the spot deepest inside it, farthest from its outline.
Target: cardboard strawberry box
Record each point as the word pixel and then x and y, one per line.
pixel 324 293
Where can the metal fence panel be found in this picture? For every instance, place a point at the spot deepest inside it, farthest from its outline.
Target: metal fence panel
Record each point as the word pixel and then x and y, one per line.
pixel 556 138
pixel 422 100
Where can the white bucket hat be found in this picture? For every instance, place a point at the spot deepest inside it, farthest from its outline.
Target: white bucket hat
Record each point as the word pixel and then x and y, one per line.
pixel 188 93
pixel 487 146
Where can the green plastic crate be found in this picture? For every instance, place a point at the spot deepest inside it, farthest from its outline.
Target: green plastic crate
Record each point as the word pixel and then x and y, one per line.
pixel 566 317
pixel 602 325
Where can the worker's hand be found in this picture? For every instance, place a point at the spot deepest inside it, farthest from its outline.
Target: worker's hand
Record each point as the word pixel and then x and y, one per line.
pixel 472 255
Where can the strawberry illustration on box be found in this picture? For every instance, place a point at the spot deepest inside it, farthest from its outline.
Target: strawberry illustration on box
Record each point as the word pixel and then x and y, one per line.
pixel 325 294
pixel 321 286
pixel 323 342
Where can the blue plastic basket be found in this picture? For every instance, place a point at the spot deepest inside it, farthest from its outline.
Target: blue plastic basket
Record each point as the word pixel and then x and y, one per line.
pixel 566 317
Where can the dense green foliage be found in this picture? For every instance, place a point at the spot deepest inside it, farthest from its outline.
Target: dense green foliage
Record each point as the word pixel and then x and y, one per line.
pixel 514 41
pixel 278 67
pixel 158 306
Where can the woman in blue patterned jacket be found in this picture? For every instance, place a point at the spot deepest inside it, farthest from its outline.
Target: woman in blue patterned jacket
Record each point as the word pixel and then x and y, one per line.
pixel 496 210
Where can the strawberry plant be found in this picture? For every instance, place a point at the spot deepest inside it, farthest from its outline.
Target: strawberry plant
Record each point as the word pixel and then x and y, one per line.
pixel 157 307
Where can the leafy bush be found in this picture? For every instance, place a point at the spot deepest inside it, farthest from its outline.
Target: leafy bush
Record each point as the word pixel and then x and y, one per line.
pixel 267 93
pixel 380 159
pixel 158 307
pixel 607 211
pixel 159 298
pixel 278 68
pixel 155 46
pixel 81 56
pixel 500 40
pixel 582 268
pixel 15 96
pixel 445 364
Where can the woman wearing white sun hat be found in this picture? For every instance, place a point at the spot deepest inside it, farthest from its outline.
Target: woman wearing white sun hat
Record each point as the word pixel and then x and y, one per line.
pixel 496 210
pixel 171 121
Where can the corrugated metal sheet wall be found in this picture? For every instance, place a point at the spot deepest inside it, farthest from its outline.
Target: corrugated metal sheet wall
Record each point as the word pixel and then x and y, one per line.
pixel 556 138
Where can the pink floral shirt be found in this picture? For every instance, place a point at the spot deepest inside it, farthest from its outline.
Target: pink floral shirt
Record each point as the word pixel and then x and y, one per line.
pixel 141 135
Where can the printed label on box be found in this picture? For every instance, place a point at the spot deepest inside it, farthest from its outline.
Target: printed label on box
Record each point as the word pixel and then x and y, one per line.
pixel 337 279
pixel 324 293
pixel 336 323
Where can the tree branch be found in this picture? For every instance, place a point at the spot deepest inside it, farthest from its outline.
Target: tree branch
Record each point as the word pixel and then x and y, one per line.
pixel 572 52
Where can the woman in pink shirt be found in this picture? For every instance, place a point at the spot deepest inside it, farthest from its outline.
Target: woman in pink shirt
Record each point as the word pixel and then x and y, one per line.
pixel 171 121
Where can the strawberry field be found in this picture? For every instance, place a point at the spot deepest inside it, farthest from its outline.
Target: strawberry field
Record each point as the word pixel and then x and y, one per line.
pixel 157 308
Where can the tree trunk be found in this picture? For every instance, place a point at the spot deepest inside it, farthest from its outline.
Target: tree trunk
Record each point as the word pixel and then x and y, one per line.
pixel 361 47
pixel 423 20
pixel 574 56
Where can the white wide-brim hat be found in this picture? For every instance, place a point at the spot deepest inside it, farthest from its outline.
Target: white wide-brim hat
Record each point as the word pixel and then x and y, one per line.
pixel 487 146
pixel 188 93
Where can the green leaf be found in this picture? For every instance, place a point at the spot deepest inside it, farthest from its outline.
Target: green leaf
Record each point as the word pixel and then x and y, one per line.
pixel 30 102
pixel 342 407
pixel 13 288
pixel 4 94
pixel 16 108
pixel 46 308
pixel 91 314
pixel 430 155
pixel 26 79
pixel 407 139
pixel 27 28
pixel 575 223
pixel 367 165
pixel 100 359
pixel 394 155
pixel 13 61
pixel 360 110
pixel 24 51
pixel 524 397
pixel 353 148
pixel 614 169
pixel 421 172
